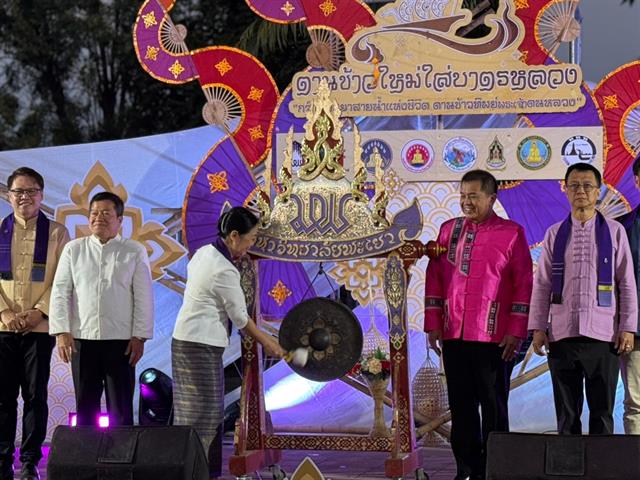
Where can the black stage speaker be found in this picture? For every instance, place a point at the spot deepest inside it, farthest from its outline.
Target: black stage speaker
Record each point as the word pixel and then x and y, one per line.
pixel 526 456
pixel 126 453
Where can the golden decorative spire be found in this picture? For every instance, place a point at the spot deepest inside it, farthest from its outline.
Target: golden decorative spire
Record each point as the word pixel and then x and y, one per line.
pixel 357 149
pixel 322 206
pixel 359 169
pixel 263 198
pixel 322 148
pixel 285 177
pixel 380 198
pixel 268 165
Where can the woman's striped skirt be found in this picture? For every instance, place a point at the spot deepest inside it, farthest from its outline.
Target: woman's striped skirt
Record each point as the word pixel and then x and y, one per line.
pixel 198 393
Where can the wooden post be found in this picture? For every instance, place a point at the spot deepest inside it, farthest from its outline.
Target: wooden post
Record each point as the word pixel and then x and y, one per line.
pixel 404 459
pixel 250 454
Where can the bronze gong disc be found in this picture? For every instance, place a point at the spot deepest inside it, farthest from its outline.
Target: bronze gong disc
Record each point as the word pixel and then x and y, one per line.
pixel 331 333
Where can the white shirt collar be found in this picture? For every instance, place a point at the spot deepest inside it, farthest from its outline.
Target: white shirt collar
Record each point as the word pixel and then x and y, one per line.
pixel 97 241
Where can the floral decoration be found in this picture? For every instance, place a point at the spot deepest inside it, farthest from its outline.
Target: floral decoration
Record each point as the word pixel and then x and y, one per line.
pixel 374 365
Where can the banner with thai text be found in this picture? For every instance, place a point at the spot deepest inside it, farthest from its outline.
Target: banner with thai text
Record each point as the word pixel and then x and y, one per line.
pixel 414 62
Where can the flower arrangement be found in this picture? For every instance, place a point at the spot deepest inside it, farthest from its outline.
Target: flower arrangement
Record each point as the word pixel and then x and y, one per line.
pixel 375 365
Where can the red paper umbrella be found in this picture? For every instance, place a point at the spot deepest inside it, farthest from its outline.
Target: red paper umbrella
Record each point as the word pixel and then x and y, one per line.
pixel 331 23
pixel 618 96
pixel 548 24
pixel 159 44
pixel 342 16
pixel 238 87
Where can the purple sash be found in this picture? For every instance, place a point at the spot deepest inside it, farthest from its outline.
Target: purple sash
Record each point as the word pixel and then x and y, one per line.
pixel 39 253
pixel 223 249
pixel 605 254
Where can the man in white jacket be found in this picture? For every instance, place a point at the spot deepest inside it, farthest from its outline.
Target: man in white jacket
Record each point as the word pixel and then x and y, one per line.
pixel 102 312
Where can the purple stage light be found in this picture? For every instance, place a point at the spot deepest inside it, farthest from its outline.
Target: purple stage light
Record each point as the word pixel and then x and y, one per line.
pixel 156 398
pixel 103 420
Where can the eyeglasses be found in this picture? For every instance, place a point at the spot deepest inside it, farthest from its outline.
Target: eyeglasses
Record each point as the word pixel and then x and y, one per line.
pixel 30 192
pixel 587 187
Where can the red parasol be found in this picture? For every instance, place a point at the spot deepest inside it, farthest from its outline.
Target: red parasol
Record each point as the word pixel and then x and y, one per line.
pixel 239 89
pixel 331 23
pixel 344 17
pixel 548 24
pixel 237 85
pixel 618 96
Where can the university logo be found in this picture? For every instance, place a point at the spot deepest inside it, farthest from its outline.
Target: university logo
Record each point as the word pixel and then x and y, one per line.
pixel 383 149
pixel 534 152
pixel 459 154
pixel 578 149
pixel 417 156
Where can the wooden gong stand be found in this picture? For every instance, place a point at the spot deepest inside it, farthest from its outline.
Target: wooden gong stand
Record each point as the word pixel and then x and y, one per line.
pixel 255 444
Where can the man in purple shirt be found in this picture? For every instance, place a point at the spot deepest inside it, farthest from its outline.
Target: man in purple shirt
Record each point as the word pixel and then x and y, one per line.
pixel 584 309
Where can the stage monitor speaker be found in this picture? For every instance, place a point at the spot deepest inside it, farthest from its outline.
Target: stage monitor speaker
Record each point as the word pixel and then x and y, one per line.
pixel 126 453
pixel 525 456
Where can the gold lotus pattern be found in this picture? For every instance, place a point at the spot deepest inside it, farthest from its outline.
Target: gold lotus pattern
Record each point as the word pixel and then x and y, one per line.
pixel 438 202
pixel 392 182
pixel 163 250
pixel 363 278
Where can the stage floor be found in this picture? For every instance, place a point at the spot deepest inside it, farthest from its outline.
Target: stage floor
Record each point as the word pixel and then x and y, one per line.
pixel 437 462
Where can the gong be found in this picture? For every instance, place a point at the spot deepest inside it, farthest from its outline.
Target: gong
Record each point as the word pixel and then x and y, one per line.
pixel 329 331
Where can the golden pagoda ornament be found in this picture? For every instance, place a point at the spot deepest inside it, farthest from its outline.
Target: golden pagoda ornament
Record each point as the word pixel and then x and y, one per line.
pixel 318 213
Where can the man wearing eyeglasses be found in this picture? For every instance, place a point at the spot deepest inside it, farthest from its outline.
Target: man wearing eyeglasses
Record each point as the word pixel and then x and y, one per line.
pixel 102 312
pixel 630 363
pixel 584 308
pixel 30 246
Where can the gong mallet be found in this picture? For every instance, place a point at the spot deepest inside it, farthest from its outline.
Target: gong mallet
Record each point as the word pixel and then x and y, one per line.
pixel 298 357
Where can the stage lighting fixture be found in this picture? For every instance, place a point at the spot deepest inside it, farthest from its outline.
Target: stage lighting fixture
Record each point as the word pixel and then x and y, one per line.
pixel 102 420
pixel 156 398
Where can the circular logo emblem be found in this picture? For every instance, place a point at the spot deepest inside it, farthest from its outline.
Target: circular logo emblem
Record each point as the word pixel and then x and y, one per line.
pixel 417 156
pixel 383 148
pixel 533 152
pixel 578 149
pixel 459 154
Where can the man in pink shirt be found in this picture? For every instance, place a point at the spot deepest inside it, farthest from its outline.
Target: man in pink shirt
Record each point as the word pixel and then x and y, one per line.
pixel 476 307
pixel 584 310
